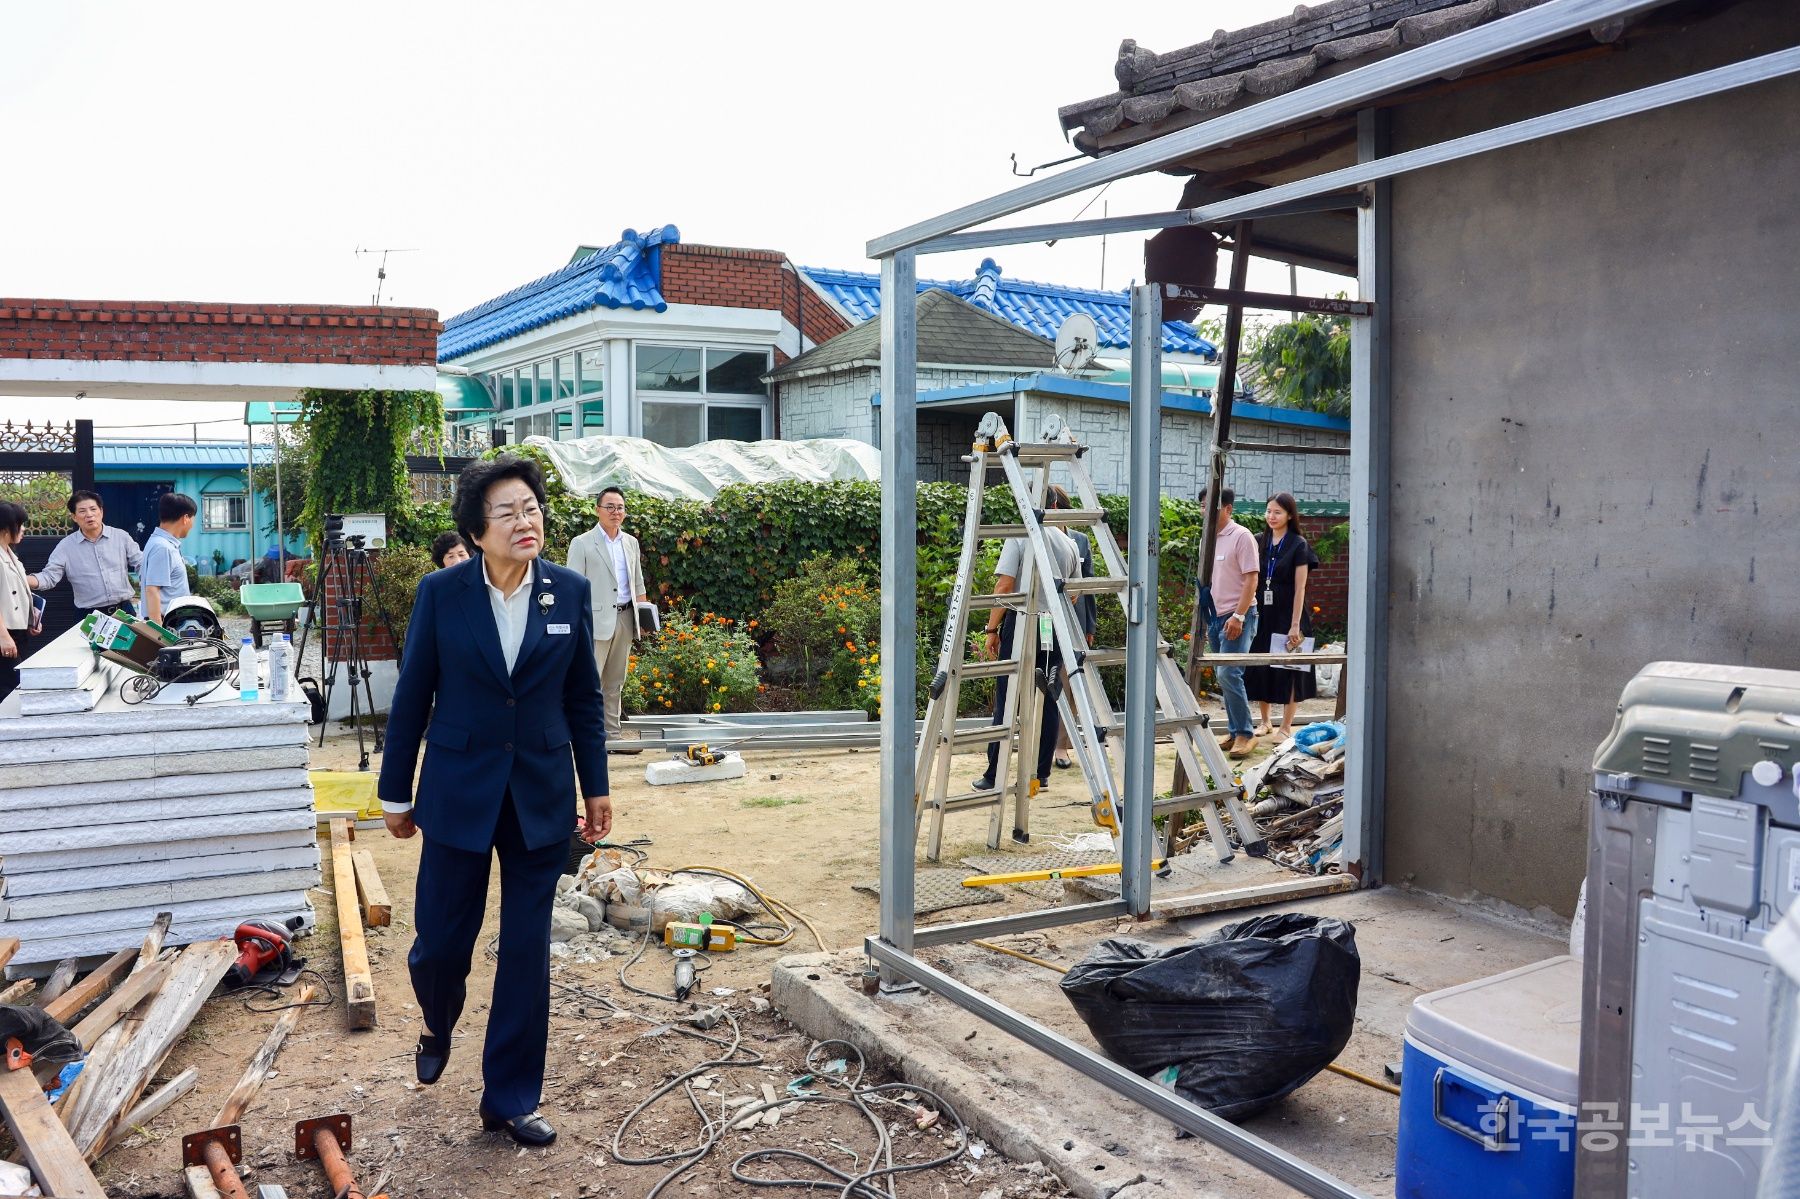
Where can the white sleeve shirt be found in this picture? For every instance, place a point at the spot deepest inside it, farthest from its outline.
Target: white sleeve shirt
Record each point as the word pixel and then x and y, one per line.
pixel 621 568
pixel 510 612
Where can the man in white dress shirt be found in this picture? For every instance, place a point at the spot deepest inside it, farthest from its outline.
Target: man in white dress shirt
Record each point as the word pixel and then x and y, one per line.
pixel 610 560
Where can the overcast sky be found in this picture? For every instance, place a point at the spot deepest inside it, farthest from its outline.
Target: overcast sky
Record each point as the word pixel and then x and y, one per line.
pixel 216 152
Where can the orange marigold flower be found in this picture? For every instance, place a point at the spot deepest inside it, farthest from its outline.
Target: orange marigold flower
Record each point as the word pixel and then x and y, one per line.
pixel 850 645
pixel 753 624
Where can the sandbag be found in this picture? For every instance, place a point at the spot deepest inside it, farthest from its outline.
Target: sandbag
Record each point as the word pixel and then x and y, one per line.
pixel 1243 1018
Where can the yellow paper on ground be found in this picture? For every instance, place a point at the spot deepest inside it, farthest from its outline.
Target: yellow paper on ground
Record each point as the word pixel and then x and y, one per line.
pixel 344 793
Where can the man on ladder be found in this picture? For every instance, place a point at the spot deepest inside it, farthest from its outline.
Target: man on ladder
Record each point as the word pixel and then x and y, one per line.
pixel 1002 625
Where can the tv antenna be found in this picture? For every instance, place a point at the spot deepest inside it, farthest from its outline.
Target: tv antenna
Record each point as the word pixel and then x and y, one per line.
pixel 381 269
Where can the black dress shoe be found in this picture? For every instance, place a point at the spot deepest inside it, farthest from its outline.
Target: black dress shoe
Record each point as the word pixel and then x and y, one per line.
pixel 529 1129
pixel 430 1058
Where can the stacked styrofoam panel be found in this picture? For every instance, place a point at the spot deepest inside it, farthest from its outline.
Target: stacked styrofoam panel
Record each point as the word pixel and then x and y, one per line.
pixel 111 812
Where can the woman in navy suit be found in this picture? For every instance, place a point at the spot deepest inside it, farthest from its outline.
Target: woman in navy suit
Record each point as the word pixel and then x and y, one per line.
pixel 499 683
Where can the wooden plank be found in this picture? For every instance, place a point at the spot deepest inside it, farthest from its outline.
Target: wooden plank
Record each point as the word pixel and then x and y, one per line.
pixel 152 1107
pixel 359 980
pixel 139 987
pixel 153 941
pixel 124 1059
pixel 101 979
pixel 1315 659
pixel 377 911
pixel 259 1067
pixel 8 947
pixel 18 991
pixel 52 1154
pixel 1176 907
pixel 59 981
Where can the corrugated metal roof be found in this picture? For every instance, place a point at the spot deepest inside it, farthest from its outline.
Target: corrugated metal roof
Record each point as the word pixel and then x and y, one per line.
pixel 627 274
pixel 175 453
pixel 1038 308
pixel 1114 393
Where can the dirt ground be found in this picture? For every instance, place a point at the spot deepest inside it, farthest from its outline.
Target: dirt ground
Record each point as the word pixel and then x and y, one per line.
pixel 801 825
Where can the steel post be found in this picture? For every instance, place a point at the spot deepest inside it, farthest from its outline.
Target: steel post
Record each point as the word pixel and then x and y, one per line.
pixel 899 587
pixel 1366 670
pixel 1142 574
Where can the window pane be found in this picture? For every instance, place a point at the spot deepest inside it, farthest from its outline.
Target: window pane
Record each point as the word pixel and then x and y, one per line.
pixel 509 390
pixel 673 425
pixel 565 378
pixel 521 430
pixel 736 372
pixel 593 418
pixel 565 424
pixel 668 368
pixel 593 371
pixel 733 424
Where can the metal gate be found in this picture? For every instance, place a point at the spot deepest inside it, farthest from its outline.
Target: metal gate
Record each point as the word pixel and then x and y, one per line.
pixel 40 464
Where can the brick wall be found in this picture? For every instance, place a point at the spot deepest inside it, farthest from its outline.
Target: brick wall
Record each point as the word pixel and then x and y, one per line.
pixel 1329 585
pixel 376 645
pixel 732 278
pixel 154 331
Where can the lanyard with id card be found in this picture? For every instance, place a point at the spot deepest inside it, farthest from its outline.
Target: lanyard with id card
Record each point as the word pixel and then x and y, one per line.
pixel 1268 590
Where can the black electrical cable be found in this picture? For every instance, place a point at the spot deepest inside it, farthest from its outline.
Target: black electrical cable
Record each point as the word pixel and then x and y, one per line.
pixel 270 989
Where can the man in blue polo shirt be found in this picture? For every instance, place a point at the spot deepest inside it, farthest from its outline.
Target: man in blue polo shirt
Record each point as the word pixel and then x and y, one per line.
pixel 164 573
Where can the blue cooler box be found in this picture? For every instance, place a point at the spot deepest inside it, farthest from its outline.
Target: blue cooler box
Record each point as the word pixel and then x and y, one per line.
pixel 1488 1088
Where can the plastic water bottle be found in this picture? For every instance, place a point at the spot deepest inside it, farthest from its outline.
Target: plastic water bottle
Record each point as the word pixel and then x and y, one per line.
pixel 281 652
pixel 247 692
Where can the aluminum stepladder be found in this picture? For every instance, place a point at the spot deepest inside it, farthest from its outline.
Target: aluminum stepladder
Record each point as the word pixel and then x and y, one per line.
pixel 1091 716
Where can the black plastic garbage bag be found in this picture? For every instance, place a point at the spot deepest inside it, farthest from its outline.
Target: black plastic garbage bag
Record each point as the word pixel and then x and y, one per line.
pixel 1244 1017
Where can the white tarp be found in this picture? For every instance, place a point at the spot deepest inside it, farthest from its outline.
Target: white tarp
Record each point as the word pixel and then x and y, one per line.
pixel 588 464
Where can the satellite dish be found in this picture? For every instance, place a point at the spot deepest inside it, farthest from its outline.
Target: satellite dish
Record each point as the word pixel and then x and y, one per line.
pixel 1076 343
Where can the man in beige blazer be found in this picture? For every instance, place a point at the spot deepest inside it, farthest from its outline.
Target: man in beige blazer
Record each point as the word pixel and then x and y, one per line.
pixel 608 557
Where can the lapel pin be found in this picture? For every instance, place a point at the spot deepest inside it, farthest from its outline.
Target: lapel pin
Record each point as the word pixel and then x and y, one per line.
pixel 546 601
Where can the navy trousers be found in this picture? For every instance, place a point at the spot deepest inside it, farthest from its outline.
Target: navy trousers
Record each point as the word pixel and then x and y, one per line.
pixel 450 903
pixel 1050 663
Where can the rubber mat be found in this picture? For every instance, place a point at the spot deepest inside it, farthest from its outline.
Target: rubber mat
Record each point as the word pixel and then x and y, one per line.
pixel 937 888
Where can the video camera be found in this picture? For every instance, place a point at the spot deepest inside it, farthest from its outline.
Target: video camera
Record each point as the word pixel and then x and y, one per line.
pixel 334 531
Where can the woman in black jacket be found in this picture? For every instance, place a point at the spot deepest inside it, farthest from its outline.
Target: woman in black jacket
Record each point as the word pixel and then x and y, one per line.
pixel 1287 560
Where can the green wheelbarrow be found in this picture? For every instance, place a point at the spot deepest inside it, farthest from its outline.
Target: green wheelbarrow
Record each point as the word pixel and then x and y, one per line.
pixel 271 605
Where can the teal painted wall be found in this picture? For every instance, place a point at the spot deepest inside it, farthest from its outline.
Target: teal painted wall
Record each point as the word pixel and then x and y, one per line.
pixel 196 482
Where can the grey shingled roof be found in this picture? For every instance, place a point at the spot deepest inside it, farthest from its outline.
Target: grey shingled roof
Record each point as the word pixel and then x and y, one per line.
pixel 952 332
pixel 1271 58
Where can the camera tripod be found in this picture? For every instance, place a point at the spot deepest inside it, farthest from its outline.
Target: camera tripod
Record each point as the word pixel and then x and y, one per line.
pixel 348 561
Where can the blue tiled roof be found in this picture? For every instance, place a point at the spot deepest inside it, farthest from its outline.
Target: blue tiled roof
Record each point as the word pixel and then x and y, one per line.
pixel 1036 307
pixel 625 275
pixel 175 453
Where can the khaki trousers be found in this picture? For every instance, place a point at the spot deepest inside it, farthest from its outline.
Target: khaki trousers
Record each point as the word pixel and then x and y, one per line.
pixel 613 655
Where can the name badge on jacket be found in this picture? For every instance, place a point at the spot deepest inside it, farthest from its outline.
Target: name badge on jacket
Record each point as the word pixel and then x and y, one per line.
pixel 555 629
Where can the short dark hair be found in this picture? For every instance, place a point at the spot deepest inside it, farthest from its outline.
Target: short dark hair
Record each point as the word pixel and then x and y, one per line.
pixel 1227 498
pixel 171 506
pixel 13 517
pixel 85 495
pixel 443 543
pixel 1055 497
pixel 470 505
pixel 609 489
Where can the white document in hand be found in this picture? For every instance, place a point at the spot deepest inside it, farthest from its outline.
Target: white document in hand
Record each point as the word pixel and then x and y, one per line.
pixel 1278 647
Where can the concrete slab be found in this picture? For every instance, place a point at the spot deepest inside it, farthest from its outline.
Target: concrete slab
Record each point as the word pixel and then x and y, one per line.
pixel 1033 1108
pixel 93 745
pixel 18 799
pixel 289 893
pixel 144 766
pixel 152 718
pixel 214 865
pixel 164 893
pixel 51 703
pixel 39 957
pixel 302 832
pixel 175 808
pixel 66 840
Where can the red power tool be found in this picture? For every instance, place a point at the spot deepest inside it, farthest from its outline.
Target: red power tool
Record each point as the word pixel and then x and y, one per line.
pixel 265 954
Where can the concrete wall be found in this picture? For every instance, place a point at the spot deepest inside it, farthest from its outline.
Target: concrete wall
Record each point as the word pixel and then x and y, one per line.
pixel 837 405
pixel 1596 461
pixel 1186 440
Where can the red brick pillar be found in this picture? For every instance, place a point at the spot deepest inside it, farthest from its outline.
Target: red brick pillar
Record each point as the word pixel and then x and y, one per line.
pixel 1328 587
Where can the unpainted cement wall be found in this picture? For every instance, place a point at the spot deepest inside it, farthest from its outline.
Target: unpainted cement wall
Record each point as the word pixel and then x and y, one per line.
pixel 1596 439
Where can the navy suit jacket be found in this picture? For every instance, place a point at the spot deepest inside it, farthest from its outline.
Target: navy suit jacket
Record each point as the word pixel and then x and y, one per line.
pixel 486 731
